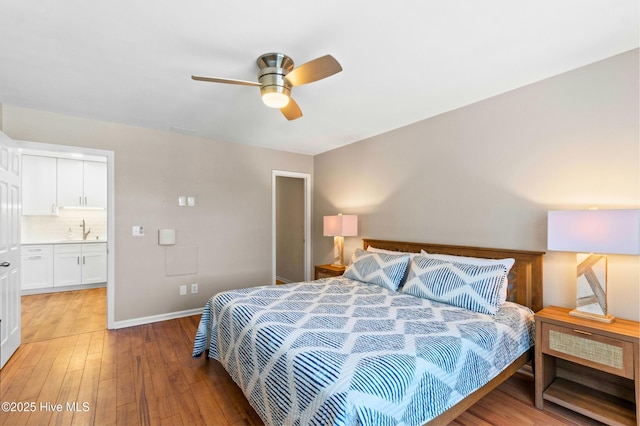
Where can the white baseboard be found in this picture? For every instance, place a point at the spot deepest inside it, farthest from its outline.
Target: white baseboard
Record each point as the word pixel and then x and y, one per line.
pixel 156 318
pixel 284 280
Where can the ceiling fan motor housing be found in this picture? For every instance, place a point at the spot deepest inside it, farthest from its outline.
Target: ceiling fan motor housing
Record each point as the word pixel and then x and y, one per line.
pixel 273 69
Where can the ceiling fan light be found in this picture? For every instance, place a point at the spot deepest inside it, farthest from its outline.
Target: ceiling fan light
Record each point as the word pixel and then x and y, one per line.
pixel 275 99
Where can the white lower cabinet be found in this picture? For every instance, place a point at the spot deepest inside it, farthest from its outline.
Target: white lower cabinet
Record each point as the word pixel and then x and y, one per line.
pixel 37 266
pixel 59 265
pixel 94 263
pixel 67 269
pixel 76 264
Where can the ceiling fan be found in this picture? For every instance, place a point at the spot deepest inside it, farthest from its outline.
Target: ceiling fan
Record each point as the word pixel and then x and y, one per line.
pixel 277 76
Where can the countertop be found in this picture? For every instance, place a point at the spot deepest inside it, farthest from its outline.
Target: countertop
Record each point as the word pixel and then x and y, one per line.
pixel 31 243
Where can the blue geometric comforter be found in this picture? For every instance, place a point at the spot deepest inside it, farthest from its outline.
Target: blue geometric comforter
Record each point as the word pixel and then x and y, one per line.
pixel 338 351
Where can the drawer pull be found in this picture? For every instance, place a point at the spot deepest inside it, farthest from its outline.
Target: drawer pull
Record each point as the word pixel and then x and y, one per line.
pixel 582 332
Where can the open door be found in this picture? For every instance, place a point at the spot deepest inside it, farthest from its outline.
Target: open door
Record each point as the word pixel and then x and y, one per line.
pixel 10 331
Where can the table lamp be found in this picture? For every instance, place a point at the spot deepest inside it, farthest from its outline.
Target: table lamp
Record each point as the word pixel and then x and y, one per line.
pixel 338 227
pixel 593 234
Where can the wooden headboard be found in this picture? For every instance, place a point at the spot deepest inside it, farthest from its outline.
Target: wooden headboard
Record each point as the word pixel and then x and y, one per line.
pixel 525 278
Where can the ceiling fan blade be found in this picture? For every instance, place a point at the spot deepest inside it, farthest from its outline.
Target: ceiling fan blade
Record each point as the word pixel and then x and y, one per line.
pixel 292 111
pixel 315 70
pixel 226 80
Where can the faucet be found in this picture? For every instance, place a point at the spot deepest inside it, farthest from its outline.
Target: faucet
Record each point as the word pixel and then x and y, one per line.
pixel 84 234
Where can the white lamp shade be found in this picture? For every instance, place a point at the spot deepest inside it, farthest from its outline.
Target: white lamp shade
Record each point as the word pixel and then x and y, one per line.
pixel 594 231
pixel 340 225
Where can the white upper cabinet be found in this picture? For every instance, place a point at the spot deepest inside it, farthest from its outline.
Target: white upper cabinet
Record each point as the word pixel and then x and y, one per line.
pixel 95 184
pixel 82 183
pixel 39 185
pixel 70 182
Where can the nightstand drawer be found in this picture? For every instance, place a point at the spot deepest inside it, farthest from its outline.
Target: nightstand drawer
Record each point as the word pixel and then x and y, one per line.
pixel 583 347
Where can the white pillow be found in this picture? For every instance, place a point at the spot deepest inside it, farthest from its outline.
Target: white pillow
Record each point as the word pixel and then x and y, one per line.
pixel 474 287
pixel 385 270
pixel 478 261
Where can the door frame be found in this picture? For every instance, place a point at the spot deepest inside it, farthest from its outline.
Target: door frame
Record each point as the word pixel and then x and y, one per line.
pixel 307 220
pixel 111 230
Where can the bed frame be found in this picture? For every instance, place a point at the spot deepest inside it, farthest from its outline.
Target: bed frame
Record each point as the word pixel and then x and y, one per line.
pixel 525 288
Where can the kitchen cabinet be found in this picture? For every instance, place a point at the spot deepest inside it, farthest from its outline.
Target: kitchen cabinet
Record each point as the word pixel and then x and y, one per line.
pixel 67 269
pixel 81 183
pixel 76 264
pixel 37 267
pixel 39 185
pixel 94 263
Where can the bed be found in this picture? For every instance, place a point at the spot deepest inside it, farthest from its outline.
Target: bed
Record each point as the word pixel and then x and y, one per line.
pixel 357 350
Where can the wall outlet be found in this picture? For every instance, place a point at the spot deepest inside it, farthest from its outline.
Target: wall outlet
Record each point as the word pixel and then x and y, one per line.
pixel 194 288
pixel 183 290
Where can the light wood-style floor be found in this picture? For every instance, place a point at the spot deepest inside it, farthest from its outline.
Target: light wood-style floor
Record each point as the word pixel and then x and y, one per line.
pixel 49 315
pixel 145 375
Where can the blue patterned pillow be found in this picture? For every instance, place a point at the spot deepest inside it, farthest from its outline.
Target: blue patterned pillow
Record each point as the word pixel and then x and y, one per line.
pixel 385 270
pixel 468 286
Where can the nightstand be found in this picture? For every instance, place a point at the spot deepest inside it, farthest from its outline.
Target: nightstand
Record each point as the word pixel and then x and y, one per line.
pixel 589 367
pixel 324 271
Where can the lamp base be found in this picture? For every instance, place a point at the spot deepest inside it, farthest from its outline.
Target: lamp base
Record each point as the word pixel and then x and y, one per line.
pixel 338 251
pixel 594 317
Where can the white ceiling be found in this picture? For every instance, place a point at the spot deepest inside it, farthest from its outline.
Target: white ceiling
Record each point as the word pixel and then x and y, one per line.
pixel 130 61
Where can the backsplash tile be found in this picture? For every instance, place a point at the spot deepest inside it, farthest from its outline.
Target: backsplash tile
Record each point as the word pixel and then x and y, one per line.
pixel 36 229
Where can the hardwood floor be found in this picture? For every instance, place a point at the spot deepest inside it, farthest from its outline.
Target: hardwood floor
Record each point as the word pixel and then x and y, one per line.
pixel 50 315
pixel 145 375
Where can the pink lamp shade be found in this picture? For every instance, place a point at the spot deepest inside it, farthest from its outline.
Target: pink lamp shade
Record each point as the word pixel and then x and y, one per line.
pixel 340 225
pixel 594 231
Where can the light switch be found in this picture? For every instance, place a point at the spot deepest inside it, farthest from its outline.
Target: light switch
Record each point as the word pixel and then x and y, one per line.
pixel 182 201
pixel 191 201
pixel 137 231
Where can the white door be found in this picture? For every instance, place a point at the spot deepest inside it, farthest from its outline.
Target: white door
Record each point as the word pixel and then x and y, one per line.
pixel 9 248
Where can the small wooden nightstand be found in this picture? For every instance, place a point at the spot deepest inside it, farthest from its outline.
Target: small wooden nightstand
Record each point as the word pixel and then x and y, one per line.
pixel 324 271
pixel 588 366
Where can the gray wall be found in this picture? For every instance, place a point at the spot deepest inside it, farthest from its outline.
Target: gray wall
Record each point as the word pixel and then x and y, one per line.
pixel 486 174
pixel 230 224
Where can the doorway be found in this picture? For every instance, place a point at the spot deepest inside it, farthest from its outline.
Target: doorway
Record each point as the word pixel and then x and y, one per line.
pixel 108 157
pixel 291 230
